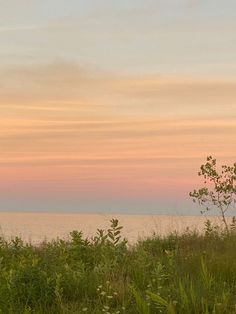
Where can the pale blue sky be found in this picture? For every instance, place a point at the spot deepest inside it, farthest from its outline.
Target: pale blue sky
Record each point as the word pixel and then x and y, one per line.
pixel 169 37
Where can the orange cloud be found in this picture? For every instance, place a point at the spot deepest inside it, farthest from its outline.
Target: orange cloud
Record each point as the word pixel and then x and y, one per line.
pixel 73 129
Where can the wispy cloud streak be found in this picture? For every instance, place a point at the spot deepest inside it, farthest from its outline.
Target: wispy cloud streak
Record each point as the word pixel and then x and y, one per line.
pixel 19 28
pixel 80 132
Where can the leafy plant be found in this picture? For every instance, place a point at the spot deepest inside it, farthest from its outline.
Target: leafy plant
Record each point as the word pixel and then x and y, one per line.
pixel 210 229
pixel 233 224
pixel 206 276
pixel 111 236
pixel 143 307
pixel 162 303
pixel 114 232
pixel 219 189
pixel 180 274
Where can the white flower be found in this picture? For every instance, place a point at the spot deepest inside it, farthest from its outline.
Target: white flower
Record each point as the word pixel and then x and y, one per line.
pixel 110 297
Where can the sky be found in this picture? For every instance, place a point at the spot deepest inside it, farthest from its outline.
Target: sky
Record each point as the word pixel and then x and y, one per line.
pixel 112 106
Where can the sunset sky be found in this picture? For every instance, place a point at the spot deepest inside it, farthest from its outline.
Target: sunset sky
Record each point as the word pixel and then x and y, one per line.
pixel 112 106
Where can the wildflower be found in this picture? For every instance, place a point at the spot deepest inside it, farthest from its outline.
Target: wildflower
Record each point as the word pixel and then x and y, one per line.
pixel 85 309
pixel 106 307
pixel 110 297
pixel 103 293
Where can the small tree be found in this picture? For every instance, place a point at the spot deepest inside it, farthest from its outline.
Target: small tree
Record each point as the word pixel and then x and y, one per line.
pixel 219 189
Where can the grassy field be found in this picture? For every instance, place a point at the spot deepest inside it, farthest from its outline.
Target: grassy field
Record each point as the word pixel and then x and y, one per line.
pixel 188 273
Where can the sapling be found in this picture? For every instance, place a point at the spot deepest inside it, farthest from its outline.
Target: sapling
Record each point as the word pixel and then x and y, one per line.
pixel 219 190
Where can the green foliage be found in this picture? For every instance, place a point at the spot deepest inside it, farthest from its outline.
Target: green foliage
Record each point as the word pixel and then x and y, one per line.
pixel 219 189
pixel 112 236
pixel 233 224
pixel 178 274
pixel 143 307
pixel 211 230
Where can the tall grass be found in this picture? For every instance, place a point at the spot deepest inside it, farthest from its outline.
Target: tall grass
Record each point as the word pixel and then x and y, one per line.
pixel 188 273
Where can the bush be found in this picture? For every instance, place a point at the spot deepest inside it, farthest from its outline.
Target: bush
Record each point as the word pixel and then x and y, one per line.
pixel 188 273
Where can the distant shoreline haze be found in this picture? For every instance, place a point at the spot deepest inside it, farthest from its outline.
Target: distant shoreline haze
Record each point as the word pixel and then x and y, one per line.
pixel 37 226
pixel 114 206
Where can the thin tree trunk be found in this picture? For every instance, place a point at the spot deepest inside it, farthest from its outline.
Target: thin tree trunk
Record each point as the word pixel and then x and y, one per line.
pixel 224 221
